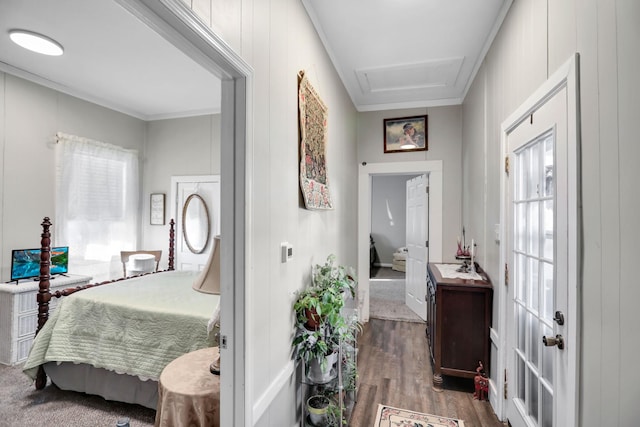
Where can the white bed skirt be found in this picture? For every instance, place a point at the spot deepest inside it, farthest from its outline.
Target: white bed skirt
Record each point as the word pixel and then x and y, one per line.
pixel 101 382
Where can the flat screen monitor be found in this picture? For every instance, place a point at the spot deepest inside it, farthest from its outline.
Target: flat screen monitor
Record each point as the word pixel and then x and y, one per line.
pixel 25 263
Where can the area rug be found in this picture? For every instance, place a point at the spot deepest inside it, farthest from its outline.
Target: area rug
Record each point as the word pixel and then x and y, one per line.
pixel 394 417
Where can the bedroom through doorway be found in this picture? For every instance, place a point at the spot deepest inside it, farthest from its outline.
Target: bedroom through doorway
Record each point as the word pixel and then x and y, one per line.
pixel 388 248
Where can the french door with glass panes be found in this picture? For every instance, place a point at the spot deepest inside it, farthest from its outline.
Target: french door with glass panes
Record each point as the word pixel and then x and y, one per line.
pixel 540 267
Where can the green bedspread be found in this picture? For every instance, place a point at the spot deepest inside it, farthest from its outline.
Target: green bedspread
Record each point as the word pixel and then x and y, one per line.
pixel 136 326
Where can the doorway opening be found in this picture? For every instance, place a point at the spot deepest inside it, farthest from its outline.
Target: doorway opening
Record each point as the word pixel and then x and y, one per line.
pixel 174 21
pixel 367 172
pixel 389 251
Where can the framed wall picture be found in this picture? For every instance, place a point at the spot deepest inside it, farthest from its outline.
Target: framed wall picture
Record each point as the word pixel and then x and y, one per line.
pixel 157 208
pixel 405 134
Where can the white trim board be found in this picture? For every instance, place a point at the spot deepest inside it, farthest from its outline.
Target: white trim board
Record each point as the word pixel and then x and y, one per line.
pixel 178 24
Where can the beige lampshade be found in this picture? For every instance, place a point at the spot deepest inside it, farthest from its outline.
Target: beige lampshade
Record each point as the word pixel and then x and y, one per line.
pixel 208 281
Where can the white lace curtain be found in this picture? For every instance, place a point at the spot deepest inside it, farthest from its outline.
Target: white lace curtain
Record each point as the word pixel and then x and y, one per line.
pixel 96 199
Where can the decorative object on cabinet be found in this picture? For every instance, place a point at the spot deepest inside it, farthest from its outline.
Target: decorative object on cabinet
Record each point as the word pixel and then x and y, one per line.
pixel 405 134
pixel 326 340
pixel 312 114
pixel 459 318
pixel 156 209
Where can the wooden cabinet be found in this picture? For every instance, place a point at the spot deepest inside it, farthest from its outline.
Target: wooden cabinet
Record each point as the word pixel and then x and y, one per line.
pixel 459 318
pixel 19 314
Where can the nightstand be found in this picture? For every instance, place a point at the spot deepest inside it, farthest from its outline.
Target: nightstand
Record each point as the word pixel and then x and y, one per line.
pixel 188 393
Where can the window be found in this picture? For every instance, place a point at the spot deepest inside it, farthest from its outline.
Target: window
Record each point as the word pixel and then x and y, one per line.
pixel 96 202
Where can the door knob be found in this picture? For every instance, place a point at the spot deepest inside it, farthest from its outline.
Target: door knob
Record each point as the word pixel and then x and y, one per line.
pixel 551 341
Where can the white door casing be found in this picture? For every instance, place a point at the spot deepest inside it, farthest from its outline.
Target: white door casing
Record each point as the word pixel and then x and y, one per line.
pixel 365 173
pixel 173 20
pixel 417 236
pixel 537 374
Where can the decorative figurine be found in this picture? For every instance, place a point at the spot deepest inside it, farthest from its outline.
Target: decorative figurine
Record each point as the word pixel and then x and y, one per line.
pixel 481 383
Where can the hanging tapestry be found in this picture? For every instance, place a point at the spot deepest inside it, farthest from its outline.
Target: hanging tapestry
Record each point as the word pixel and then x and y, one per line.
pixel 313 137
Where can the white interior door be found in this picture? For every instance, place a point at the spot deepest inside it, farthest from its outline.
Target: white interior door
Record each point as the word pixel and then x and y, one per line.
pixel 196 207
pixel 540 343
pixel 417 245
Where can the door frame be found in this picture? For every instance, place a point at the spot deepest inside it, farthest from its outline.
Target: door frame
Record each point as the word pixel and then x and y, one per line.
pixel 567 76
pixel 178 24
pixel 433 168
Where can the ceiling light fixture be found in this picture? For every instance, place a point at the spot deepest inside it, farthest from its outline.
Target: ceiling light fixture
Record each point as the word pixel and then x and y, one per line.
pixel 36 42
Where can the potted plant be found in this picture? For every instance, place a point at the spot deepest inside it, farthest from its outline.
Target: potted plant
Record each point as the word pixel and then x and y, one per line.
pixel 334 415
pixel 318 351
pixel 331 275
pixel 316 307
pixel 324 412
pixel 317 408
pixel 350 380
pixel 320 324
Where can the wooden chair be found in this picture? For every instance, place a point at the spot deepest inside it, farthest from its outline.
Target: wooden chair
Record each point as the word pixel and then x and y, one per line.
pixel 125 255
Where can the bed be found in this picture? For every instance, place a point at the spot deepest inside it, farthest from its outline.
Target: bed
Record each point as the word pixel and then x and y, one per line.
pixel 113 339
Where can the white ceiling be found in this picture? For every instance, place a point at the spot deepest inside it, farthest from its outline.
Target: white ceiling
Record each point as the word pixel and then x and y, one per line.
pixel 406 53
pixel 389 53
pixel 111 58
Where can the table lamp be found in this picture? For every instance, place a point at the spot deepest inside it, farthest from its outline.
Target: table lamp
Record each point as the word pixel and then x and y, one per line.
pixel 208 282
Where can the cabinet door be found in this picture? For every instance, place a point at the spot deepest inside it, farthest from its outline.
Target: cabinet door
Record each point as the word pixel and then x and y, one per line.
pixel 464 329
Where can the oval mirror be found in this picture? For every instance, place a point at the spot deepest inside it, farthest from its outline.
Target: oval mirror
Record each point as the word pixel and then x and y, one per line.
pixel 195 223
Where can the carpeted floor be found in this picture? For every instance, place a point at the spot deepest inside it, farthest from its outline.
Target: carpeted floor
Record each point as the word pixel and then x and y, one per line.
pixel 21 405
pixel 387 296
pixel 386 273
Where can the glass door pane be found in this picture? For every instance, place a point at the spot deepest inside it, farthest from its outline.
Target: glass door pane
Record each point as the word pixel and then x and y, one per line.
pixel 533 209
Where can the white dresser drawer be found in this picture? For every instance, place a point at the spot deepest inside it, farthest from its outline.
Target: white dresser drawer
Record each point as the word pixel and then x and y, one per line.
pixel 19 315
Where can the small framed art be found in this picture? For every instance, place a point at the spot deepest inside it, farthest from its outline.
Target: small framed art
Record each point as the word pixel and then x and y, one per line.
pixel 156 208
pixel 405 134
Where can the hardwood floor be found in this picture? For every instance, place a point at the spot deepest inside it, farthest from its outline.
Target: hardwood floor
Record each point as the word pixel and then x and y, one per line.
pixel 394 369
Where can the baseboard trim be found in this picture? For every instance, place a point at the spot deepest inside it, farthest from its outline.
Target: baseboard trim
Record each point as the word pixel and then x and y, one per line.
pixel 264 401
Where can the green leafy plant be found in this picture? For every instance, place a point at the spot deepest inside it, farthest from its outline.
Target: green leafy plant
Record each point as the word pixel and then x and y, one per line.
pixel 331 275
pixel 334 415
pixel 318 308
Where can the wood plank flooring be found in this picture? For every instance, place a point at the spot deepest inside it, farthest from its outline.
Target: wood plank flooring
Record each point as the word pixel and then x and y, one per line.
pixel 394 369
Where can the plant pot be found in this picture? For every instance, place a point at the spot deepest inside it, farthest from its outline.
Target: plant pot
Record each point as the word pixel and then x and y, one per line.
pixel 317 374
pixel 313 319
pixel 317 406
